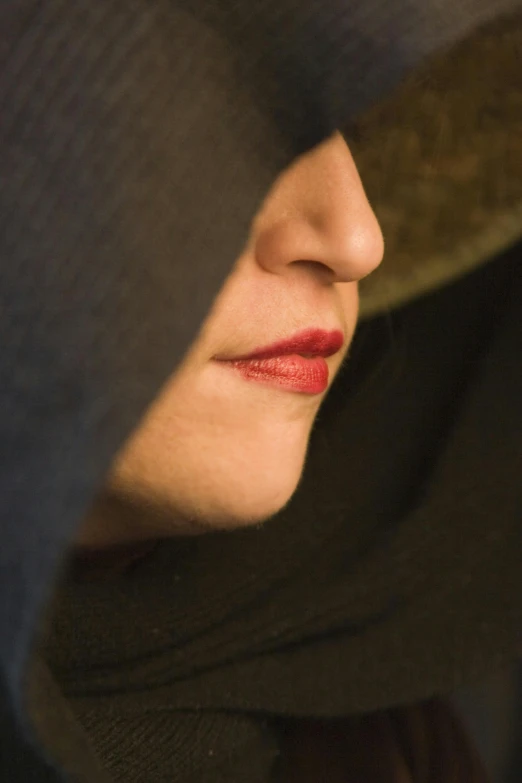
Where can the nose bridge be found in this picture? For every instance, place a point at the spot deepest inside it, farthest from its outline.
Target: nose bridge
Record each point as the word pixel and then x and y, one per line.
pixel 342 214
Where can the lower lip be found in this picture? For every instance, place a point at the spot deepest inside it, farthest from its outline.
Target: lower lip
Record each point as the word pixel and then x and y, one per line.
pixel 293 372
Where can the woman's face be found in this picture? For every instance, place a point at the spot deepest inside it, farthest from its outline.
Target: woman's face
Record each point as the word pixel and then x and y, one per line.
pixel 220 448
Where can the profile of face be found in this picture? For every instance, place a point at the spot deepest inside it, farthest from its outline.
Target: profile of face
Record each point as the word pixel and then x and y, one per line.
pixel 224 444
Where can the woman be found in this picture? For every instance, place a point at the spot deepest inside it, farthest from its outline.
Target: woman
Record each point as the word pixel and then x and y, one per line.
pixel 238 540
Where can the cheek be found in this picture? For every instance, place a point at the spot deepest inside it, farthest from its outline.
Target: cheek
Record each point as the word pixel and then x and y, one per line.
pixel 204 457
pixel 229 455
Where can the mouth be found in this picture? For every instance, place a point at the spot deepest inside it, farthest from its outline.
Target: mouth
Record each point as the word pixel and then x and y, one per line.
pixel 297 364
pixel 310 344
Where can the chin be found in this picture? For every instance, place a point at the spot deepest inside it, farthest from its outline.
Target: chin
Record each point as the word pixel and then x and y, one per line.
pixel 231 499
pixel 238 504
pixel 252 511
pixel 252 493
pixel 203 484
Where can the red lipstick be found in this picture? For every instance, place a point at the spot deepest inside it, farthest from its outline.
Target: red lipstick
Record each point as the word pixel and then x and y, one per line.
pixel 297 364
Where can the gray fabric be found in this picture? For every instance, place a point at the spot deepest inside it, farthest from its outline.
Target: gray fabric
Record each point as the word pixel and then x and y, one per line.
pixel 110 112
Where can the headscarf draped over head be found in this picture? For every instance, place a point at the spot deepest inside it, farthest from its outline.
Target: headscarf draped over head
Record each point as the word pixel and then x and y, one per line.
pixel 137 142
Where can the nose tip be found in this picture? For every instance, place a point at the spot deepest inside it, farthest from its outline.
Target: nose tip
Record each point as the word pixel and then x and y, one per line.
pixel 319 212
pixel 355 243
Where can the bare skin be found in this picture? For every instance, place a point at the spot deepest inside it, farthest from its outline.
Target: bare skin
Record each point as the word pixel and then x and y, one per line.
pixel 215 451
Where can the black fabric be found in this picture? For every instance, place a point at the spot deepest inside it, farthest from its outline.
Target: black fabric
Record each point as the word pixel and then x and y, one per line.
pixel 400 590
pixel 120 122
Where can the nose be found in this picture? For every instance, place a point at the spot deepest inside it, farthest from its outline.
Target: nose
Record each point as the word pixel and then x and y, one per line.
pixel 317 212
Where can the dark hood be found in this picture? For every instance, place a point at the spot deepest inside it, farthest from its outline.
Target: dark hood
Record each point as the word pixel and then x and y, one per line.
pixel 137 141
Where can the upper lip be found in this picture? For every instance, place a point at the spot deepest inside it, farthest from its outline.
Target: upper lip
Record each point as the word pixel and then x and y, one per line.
pixel 315 342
